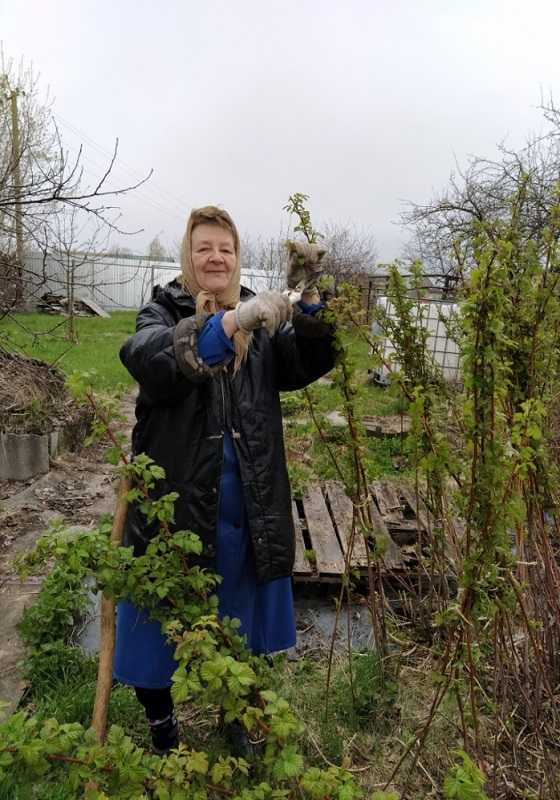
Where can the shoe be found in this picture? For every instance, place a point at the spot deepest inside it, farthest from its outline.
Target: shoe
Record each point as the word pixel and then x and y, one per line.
pixel 239 742
pixel 165 734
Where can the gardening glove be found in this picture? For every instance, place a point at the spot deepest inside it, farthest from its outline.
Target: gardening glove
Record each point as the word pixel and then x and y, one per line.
pixel 266 310
pixel 304 265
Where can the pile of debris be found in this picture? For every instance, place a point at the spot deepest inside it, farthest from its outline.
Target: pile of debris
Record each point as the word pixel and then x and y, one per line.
pixel 32 394
pixel 38 416
pixel 51 303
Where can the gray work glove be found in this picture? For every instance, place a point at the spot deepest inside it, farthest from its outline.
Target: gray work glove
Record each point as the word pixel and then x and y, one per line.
pixel 304 265
pixel 266 310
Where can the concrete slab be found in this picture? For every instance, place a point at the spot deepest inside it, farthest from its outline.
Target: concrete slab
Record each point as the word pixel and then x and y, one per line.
pixel 337 419
pixel 315 621
pixel 15 597
pixel 23 455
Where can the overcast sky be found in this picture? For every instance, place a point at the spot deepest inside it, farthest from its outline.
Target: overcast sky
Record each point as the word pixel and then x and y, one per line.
pixel 362 104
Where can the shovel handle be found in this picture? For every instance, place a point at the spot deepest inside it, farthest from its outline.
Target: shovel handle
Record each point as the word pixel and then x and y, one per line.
pixel 107 648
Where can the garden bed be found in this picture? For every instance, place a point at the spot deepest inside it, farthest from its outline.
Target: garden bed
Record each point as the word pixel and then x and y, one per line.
pixel 38 417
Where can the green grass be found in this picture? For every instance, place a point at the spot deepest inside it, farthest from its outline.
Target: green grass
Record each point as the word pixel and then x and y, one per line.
pixel 99 341
pixel 353 723
pixel 308 458
pixel 62 682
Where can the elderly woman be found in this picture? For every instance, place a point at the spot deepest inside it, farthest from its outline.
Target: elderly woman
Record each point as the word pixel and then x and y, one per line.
pixel 211 358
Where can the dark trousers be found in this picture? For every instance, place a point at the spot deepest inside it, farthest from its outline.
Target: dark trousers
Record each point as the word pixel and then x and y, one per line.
pixel 157 702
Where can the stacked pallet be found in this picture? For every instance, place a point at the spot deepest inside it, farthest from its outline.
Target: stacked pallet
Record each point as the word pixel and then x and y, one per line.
pixel 323 521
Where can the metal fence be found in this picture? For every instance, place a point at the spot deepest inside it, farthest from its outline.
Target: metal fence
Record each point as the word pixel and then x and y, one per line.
pixel 435 317
pixel 123 282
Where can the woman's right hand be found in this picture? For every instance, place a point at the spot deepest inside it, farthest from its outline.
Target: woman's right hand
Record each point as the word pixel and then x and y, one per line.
pixel 267 310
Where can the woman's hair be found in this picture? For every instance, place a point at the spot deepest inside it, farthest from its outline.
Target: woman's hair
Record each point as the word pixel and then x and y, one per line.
pixel 212 215
pixel 229 297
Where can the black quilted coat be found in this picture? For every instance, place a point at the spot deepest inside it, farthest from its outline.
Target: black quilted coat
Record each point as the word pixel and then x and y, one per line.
pixel 184 406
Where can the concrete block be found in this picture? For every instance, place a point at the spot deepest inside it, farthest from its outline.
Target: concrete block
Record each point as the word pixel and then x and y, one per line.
pixel 54 440
pixel 23 455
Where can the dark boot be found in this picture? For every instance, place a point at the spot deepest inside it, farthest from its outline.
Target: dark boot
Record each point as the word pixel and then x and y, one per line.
pixel 165 734
pixel 239 742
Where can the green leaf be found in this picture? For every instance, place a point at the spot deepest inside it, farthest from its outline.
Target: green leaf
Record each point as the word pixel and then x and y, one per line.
pixel 197 762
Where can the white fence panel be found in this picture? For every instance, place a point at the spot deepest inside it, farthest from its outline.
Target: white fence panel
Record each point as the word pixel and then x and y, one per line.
pixel 434 316
pixel 114 282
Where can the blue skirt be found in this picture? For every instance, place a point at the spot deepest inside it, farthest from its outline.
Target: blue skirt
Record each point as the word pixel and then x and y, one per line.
pixel 143 657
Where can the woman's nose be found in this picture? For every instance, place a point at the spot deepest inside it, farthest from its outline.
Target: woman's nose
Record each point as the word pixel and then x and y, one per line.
pixel 215 255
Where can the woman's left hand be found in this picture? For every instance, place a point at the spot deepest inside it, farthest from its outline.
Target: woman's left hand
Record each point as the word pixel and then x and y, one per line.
pixel 267 310
pixel 305 265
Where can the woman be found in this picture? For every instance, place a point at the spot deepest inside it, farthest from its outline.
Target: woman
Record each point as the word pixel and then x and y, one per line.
pixel 210 358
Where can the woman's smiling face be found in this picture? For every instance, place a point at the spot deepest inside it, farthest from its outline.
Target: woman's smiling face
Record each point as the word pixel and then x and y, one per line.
pixel 213 257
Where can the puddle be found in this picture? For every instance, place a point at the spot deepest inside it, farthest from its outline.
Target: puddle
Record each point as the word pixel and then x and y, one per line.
pixel 315 621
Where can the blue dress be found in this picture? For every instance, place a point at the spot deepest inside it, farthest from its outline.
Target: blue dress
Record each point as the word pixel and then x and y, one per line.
pixel 143 657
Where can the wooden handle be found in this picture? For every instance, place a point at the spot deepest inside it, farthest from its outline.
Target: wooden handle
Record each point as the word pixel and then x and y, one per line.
pixel 105 670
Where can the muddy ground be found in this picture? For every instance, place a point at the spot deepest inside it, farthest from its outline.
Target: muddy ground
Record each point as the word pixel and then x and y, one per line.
pixel 79 488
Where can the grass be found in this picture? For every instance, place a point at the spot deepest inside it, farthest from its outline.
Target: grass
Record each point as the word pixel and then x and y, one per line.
pixel 97 351
pixel 62 685
pixel 99 340
pixel 360 720
pixel 308 458
pixel 364 732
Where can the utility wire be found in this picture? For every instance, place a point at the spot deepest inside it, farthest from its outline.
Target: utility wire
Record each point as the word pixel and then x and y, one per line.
pixel 96 166
pixel 123 166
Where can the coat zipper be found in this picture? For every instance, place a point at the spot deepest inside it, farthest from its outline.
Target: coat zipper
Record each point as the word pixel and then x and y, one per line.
pixel 219 491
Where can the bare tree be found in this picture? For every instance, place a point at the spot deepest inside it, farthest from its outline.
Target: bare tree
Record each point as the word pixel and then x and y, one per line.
pixel 444 230
pixel 349 251
pixel 265 259
pixel 118 251
pixel 38 178
pixel 77 251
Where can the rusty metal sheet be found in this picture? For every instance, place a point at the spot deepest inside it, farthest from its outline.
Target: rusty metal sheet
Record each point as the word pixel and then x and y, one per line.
pixel 329 557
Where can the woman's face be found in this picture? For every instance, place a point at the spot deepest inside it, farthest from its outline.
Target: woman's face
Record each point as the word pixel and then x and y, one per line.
pixel 213 257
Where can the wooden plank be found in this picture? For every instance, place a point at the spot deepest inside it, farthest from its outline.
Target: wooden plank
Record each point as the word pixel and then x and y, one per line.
pixel 342 512
pixel 388 503
pixel 387 426
pixel 95 307
pixel 409 496
pixel 393 502
pixel 404 535
pixel 328 555
pixel 392 557
pixel 301 564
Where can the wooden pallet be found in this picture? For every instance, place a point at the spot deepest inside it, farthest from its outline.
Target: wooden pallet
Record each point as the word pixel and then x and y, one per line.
pixel 323 526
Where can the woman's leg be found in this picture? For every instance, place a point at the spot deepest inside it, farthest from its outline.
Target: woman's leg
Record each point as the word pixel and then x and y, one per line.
pixel 157 702
pixel 164 727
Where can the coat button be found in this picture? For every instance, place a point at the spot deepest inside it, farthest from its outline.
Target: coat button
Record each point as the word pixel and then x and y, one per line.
pixel 259 539
pixel 210 550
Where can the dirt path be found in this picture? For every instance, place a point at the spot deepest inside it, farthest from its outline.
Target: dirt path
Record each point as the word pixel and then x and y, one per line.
pixel 79 488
